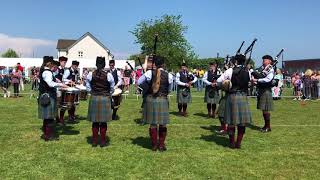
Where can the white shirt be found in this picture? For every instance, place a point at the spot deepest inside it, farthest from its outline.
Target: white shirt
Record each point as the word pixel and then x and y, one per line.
pixel 47 76
pixel 205 78
pixel 109 79
pixel 182 83
pixel 148 76
pixel 227 75
pixel 119 77
pixel 268 78
pixel 66 73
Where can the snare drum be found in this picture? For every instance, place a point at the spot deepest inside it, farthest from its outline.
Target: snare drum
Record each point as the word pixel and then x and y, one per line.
pixel 69 97
pixel 116 98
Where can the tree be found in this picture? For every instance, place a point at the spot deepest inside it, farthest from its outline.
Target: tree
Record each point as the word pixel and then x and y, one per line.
pixel 10 53
pixel 171 41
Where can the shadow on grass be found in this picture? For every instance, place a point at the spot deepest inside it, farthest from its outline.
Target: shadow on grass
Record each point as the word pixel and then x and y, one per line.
pixel 202 115
pixel 254 127
pixel 175 113
pixel 66 130
pixel 211 128
pixel 139 121
pixel 89 140
pixel 142 141
pixel 80 118
pixel 218 139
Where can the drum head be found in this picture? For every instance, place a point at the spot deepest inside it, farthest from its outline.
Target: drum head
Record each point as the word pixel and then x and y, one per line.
pixel 117 92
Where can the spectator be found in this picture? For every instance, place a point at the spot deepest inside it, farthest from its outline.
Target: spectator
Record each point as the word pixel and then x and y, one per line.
pixel 297 87
pixel 307 84
pixel 199 74
pixel 21 84
pixel 15 80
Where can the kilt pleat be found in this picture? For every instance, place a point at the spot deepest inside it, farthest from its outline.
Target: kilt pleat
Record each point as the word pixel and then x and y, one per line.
pixel 237 110
pixel 183 99
pixel 265 100
pixel 99 109
pixel 214 100
pixel 156 110
pixel 48 112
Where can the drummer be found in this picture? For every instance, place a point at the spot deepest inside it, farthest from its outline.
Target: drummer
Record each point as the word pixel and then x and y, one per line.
pixel 118 84
pixel 101 85
pixel 63 61
pixel 69 78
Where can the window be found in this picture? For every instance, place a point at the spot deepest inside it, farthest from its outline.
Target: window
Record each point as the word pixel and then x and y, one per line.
pixel 80 54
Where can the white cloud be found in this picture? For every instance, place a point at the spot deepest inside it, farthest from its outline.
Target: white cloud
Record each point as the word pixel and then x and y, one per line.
pixel 26 47
pixel 120 55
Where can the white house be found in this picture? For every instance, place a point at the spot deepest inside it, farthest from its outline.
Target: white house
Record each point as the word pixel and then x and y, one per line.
pixel 86 47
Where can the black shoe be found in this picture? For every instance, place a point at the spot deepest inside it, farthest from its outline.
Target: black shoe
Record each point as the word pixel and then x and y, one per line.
pixel 265 130
pixel 161 149
pixel 222 132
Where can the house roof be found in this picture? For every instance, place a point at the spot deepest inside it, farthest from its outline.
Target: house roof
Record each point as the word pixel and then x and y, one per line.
pixel 66 44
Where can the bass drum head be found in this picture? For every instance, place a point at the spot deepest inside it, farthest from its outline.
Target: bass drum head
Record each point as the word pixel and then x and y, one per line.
pixel 117 92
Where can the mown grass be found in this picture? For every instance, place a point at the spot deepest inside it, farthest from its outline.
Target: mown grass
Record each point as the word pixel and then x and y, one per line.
pixel 290 151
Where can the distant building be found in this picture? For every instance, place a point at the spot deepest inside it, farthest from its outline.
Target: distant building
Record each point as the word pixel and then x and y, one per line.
pixel 86 47
pixel 301 65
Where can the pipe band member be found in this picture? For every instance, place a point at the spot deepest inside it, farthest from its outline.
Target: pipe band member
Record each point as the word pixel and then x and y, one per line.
pixel 212 96
pixel 47 103
pixel 156 106
pixel 237 112
pixel 101 85
pixel 70 77
pixel 184 81
pixel 264 98
pixel 118 84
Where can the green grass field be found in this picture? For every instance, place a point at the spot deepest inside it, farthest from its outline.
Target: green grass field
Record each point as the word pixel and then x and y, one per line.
pixel 290 151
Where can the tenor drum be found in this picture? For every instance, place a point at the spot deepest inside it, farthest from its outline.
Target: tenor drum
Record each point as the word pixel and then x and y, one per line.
pixel 116 98
pixel 69 97
pixel 83 93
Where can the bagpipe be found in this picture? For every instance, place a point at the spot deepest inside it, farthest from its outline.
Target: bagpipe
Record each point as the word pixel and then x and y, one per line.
pixel 227 85
pixel 262 72
pixel 145 87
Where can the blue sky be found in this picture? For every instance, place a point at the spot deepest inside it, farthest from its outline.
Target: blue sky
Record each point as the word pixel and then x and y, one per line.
pixel 214 25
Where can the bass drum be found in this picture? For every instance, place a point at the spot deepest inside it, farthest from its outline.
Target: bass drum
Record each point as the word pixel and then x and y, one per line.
pixel 116 98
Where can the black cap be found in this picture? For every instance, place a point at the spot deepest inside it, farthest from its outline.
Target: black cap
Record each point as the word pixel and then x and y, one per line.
pixel 56 63
pixel 212 63
pixel 100 62
pixel 75 63
pixel 159 61
pixel 267 57
pixel 111 61
pixel 183 64
pixel 240 58
pixel 62 58
pixel 47 59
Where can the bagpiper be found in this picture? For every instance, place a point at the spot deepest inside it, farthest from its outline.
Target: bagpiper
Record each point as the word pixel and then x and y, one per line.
pixel 118 85
pixel 156 106
pixel 184 81
pixel 264 85
pixel 212 95
pixel 237 112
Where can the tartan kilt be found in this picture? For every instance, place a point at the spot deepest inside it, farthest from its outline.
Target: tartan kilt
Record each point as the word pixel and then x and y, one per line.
pixel 48 112
pixel 156 110
pixel 99 109
pixel 237 110
pixel 214 100
pixel 265 100
pixel 222 106
pixel 183 99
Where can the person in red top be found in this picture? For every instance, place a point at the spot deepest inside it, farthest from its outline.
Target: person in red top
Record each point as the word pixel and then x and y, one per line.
pixel 21 85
